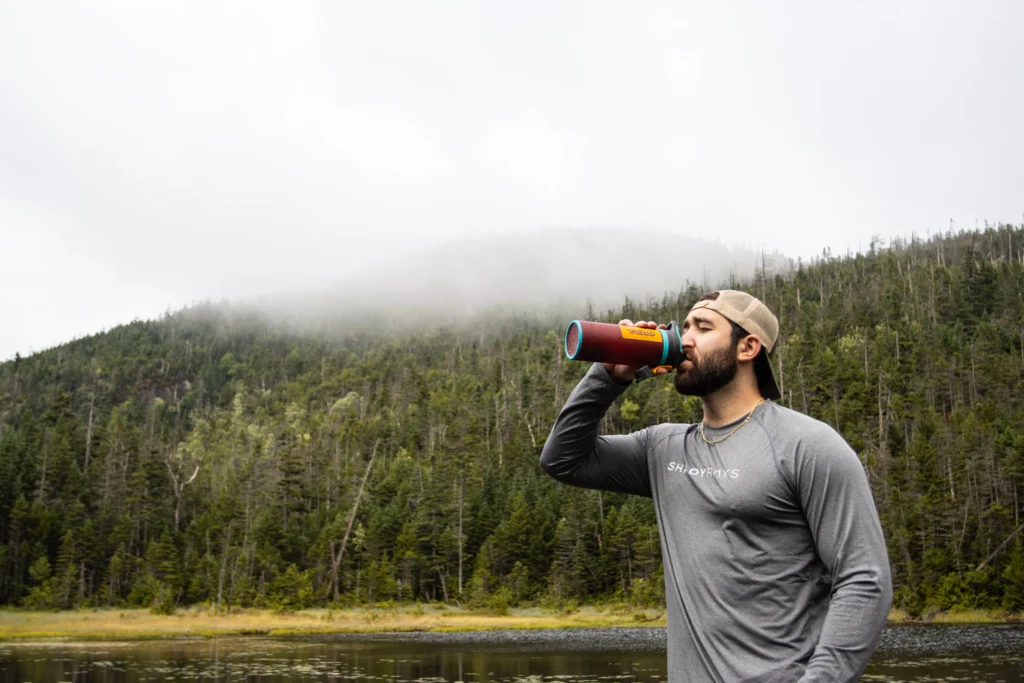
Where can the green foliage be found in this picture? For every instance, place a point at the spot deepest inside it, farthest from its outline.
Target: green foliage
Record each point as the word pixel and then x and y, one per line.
pixel 483 583
pixel 40 597
pixel 146 591
pixel 291 590
pixel 1013 580
pixel 40 570
pixel 163 602
pixel 218 455
pixel 499 602
pixel 972 590
pixel 629 411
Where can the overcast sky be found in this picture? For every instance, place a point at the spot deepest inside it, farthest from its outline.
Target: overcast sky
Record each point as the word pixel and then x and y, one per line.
pixel 152 154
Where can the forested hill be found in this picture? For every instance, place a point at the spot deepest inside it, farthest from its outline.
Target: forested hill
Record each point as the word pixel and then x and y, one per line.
pixel 212 457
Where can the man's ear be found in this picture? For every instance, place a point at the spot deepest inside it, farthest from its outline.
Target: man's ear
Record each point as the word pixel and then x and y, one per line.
pixel 748 348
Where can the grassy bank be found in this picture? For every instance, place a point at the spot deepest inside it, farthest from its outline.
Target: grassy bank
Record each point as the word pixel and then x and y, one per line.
pixel 137 624
pixel 974 616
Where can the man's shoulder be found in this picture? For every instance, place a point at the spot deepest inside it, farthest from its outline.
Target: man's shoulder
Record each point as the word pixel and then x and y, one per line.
pixel 794 419
pixel 797 428
pixel 660 433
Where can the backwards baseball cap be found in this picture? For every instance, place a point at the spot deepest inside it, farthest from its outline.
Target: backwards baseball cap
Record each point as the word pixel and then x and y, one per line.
pixel 753 316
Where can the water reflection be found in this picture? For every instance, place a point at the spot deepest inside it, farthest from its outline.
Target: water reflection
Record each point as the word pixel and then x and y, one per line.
pixel 949 653
pixel 912 653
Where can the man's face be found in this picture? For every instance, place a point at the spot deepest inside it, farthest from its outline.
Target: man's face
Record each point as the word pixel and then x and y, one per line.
pixel 711 361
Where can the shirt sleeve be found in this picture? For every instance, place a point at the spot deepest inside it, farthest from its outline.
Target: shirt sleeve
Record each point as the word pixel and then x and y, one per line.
pixel 576 454
pixel 840 512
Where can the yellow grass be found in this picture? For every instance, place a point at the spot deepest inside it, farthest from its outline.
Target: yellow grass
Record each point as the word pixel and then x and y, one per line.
pixel 975 616
pixel 138 624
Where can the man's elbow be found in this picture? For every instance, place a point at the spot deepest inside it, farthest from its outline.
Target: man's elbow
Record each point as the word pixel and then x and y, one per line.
pixel 882 576
pixel 548 457
pixel 876 587
pixel 556 463
pixel 553 462
pixel 550 470
pixel 872 584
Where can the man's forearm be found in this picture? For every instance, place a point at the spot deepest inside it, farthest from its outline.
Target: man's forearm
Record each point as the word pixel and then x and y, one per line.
pixel 856 617
pixel 576 454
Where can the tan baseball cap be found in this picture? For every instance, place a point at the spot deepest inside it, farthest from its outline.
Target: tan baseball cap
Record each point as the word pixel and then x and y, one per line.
pixel 749 313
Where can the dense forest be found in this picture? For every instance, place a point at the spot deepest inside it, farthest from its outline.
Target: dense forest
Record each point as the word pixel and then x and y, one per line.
pixel 218 456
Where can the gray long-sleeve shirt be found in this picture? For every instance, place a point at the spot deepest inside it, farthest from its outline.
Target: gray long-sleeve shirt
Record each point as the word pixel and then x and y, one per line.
pixel 775 564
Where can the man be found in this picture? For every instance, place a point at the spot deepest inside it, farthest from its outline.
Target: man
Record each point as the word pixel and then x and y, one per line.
pixel 775 565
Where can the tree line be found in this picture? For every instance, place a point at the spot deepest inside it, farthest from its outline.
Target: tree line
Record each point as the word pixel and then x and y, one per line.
pixel 219 456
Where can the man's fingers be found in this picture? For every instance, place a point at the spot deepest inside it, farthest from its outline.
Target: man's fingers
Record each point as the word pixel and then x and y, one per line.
pixel 626 322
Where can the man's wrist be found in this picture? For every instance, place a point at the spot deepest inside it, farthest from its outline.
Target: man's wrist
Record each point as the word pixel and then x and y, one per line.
pixel 612 378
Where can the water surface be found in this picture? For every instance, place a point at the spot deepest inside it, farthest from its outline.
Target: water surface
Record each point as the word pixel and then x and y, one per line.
pixel 629 655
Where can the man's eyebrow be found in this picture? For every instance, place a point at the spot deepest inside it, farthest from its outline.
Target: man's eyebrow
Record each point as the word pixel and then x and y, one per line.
pixel 698 318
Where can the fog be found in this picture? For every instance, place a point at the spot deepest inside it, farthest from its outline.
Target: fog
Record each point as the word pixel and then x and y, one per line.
pixel 546 273
pixel 549 276
pixel 156 154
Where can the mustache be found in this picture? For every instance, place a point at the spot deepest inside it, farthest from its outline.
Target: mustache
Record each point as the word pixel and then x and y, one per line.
pixel 686 357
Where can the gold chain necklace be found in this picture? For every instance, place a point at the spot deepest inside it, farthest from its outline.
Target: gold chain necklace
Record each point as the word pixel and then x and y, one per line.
pixel 738 428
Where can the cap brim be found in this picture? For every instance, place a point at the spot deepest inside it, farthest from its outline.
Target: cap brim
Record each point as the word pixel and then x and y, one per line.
pixel 765 378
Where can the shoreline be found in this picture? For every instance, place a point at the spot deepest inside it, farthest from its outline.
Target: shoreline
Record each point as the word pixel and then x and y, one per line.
pixel 140 624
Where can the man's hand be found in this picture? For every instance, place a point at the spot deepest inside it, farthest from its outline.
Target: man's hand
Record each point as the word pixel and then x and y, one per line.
pixel 624 374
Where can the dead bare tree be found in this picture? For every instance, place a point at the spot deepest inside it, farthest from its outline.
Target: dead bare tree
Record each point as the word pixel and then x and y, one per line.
pixel 179 461
pixel 336 558
pixel 1000 548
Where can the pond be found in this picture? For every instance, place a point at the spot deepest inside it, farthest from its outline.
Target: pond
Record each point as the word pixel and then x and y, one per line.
pixel 907 653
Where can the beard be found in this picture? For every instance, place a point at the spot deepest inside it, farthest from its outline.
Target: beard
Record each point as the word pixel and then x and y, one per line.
pixel 713 372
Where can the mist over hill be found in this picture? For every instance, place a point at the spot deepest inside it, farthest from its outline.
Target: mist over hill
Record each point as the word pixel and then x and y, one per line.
pixel 546 272
pixel 545 275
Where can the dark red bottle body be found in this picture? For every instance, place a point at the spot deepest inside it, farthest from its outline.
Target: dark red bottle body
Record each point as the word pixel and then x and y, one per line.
pixel 621 345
